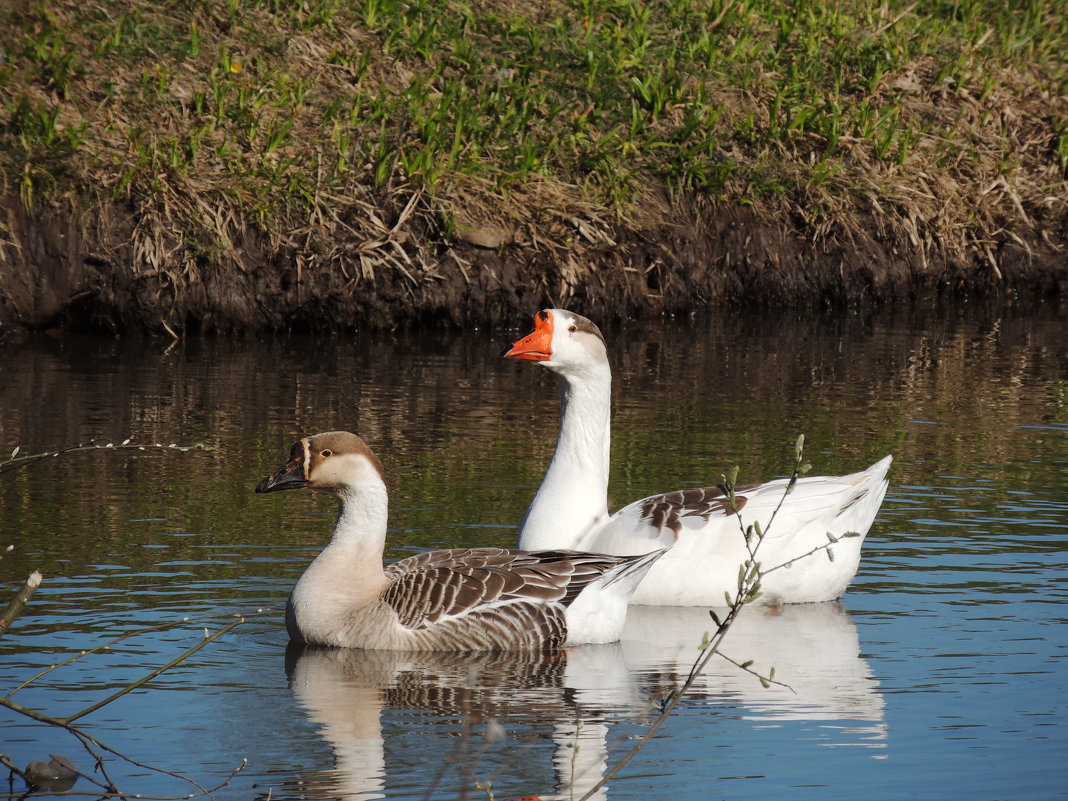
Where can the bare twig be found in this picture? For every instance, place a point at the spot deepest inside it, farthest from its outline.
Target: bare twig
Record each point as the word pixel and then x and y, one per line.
pixel 18 603
pixel 749 575
pixel 16 461
pixel 110 644
pixel 97 749
pixel 145 679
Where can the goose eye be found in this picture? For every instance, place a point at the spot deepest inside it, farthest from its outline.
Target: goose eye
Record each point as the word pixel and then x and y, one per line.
pixel 326 452
pixel 572 328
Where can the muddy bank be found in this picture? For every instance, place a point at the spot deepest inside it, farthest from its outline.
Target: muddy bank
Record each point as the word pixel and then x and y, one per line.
pixel 185 167
pixel 104 269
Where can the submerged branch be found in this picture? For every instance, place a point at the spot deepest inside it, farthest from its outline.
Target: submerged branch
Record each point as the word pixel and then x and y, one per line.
pixel 145 679
pixel 18 603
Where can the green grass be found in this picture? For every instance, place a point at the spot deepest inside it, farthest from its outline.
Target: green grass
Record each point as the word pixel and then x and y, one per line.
pixel 284 114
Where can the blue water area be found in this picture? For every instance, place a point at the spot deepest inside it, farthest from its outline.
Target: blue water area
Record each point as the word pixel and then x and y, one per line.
pixel 940 674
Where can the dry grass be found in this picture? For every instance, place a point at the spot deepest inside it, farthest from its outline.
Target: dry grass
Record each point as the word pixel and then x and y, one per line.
pixel 380 139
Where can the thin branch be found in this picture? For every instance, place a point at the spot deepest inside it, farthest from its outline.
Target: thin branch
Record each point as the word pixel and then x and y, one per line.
pixel 27 712
pixel 16 461
pixel 764 680
pixel 18 603
pixel 111 643
pixel 110 786
pixel 749 576
pixel 145 679
pixel 827 546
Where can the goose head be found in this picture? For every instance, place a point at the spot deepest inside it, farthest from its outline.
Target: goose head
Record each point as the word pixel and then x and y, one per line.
pixel 336 462
pixel 565 342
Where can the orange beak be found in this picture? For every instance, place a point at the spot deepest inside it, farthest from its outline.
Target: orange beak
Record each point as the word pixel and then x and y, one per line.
pixel 537 346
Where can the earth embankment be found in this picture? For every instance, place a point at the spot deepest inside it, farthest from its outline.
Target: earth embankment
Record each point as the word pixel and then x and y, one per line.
pixel 245 165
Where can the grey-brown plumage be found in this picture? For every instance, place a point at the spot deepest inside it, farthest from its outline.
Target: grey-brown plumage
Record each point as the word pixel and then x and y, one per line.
pixel 463 599
pixel 487 596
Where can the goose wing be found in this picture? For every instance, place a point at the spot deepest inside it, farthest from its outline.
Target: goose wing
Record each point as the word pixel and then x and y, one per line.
pixel 659 520
pixel 476 599
pixel 431 587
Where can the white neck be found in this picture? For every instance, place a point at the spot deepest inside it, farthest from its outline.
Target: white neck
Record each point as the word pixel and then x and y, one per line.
pixel 361 524
pixel 348 573
pixel 573 496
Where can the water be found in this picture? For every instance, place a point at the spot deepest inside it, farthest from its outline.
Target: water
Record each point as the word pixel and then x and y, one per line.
pixel 941 674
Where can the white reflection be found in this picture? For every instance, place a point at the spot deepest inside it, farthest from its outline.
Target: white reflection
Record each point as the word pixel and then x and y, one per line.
pixel 574 697
pixel 814 649
pixel 345 691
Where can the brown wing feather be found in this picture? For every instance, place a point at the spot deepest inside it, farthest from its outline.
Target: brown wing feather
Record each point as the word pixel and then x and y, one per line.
pixel 668 510
pixel 431 586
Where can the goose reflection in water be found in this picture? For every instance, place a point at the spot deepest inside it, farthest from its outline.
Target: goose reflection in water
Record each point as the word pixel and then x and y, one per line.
pixel 453 720
pixel 814 649
pixel 481 701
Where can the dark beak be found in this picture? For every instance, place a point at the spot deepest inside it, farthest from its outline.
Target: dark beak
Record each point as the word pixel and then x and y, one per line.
pixel 288 476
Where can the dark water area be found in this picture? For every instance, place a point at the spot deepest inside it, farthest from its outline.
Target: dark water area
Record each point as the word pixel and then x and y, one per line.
pixel 942 672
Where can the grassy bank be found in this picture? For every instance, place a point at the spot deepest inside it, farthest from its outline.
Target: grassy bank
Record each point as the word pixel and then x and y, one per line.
pixel 326 150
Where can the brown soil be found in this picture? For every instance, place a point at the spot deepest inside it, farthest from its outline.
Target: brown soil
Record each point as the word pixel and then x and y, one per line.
pixel 70 267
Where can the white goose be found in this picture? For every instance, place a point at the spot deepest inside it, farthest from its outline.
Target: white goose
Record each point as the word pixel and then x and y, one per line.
pixel 465 599
pixel 570 509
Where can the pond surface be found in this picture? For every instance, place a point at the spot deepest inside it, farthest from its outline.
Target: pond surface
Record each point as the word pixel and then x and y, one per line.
pixel 942 673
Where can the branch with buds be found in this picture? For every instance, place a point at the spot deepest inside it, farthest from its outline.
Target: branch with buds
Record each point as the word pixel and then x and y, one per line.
pixel 18 459
pixel 750 574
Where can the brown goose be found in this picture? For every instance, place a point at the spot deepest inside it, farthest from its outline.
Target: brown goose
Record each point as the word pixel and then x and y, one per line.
pixel 463 599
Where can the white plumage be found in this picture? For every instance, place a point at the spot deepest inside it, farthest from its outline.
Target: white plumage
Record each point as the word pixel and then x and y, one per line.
pixel 570 509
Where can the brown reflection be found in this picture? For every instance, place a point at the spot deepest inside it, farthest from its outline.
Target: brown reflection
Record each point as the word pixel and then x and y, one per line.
pixel 466 437
pixel 467 719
